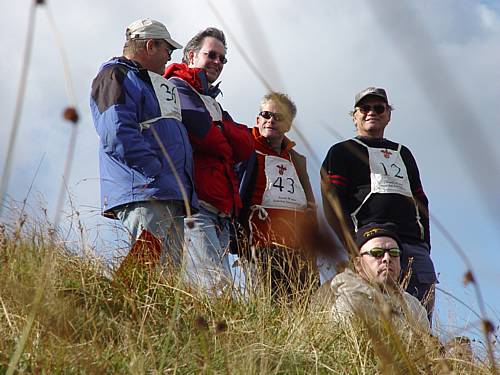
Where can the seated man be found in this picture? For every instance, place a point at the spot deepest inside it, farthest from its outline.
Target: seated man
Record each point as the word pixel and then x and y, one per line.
pixel 372 290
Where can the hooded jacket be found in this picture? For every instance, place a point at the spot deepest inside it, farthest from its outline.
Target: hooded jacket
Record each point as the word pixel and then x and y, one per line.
pixel 133 165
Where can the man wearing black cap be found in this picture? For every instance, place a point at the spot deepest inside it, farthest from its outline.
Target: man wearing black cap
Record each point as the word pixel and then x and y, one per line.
pixel 367 292
pixel 377 181
pixel 145 158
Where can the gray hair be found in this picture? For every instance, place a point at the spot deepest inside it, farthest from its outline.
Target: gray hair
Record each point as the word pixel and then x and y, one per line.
pixel 197 41
pixel 133 47
pixel 282 99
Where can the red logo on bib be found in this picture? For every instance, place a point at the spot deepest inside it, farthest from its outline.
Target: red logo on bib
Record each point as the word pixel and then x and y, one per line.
pixel 386 153
pixel 281 169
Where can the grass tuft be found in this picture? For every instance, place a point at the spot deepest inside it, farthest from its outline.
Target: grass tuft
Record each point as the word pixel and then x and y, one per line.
pixel 61 313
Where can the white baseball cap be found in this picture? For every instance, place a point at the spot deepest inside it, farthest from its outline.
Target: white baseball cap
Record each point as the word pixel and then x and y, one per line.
pixel 147 28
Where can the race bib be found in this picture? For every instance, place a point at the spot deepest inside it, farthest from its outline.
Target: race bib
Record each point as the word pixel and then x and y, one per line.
pixel 388 172
pixel 167 96
pixel 212 107
pixel 283 187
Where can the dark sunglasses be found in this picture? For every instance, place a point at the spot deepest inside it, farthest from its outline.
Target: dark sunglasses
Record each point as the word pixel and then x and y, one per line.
pixel 212 55
pixel 377 108
pixel 378 252
pixel 268 114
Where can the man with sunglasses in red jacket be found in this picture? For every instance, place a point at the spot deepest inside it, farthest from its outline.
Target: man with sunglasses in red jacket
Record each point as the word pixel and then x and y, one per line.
pixel 378 181
pixel 218 144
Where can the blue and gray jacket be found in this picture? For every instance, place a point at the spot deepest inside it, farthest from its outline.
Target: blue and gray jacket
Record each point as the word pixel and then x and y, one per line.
pixel 133 164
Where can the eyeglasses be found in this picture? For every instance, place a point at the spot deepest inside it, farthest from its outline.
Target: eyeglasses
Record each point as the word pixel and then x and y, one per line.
pixel 377 108
pixel 268 114
pixel 378 252
pixel 167 46
pixel 212 55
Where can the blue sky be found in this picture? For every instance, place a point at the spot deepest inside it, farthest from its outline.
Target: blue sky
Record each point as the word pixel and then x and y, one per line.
pixel 437 60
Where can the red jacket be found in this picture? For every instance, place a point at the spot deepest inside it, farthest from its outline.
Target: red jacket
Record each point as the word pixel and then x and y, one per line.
pixel 217 145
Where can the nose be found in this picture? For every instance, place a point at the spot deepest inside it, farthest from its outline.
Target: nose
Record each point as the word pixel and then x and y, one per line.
pixel 386 258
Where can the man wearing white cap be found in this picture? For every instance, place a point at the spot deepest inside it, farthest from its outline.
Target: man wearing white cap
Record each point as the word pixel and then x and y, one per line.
pixel 146 165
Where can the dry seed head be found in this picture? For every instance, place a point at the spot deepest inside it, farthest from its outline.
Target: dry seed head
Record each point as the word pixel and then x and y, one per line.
pixel 70 114
pixel 190 223
pixel 201 323
pixel 487 326
pixel 468 278
pixel 220 326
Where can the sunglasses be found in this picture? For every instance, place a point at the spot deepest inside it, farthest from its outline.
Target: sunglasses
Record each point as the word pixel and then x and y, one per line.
pixel 377 108
pixel 212 55
pixel 378 252
pixel 268 114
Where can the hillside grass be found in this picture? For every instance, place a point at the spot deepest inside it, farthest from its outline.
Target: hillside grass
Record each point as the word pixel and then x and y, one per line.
pixel 61 314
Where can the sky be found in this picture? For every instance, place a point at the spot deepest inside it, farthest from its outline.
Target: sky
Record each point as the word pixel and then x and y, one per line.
pixel 438 61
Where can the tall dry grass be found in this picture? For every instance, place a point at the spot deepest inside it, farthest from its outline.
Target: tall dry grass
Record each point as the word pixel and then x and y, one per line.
pixel 61 313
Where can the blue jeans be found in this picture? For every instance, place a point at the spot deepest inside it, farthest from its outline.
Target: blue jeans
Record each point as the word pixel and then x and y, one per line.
pixel 163 219
pixel 423 277
pixel 207 259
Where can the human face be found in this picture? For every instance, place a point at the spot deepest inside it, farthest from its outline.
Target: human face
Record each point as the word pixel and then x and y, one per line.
pixel 212 66
pixel 272 129
pixel 159 54
pixel 371 124
pixel 384 270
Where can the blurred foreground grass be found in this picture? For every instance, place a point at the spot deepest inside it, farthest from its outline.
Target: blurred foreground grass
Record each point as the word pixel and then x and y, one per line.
pixel 61 314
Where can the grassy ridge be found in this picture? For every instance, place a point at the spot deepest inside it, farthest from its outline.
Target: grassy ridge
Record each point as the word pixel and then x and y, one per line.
pixel 59 313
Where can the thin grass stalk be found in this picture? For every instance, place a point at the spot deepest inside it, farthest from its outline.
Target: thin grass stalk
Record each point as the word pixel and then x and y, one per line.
pixel 240 49
pixel 170 162
pixel 37 301
pixel 455 245
pixel 4 182
pixel 70 92
pixel 66 174
pixel 257 72
pixel 486 324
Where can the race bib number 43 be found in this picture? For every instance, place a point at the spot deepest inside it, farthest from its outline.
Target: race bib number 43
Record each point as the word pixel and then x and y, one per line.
pixel 283 187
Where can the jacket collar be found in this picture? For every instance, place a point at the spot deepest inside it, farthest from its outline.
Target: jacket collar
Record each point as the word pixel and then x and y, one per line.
pixel 286 145
pixel 196 77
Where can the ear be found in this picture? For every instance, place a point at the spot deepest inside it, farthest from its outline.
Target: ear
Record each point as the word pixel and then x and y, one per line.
pixel 191 57
pixel 357 264
pixel 150 45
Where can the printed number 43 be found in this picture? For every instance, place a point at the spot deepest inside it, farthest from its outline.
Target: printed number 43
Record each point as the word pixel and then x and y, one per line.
pixel 278 183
